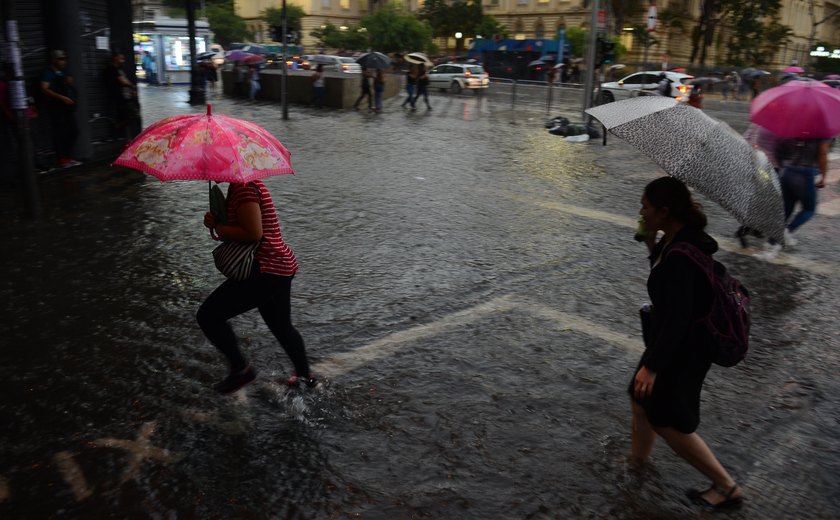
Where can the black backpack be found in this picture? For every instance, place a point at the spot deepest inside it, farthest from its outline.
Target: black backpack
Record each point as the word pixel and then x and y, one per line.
pixel 728 320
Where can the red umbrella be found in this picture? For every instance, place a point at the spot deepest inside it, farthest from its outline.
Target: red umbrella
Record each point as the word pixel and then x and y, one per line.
pixel 252 59
pixel 801 109
pixel 794 69
pixel 206 147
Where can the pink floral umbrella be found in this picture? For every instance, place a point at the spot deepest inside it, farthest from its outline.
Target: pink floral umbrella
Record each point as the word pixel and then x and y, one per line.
pixel 801 109
pixel 833 76
pixel 206 147
pixel 794 69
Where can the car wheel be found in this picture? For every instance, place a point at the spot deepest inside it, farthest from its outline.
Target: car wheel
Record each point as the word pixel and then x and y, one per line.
pixel 607 97
pixel 455 87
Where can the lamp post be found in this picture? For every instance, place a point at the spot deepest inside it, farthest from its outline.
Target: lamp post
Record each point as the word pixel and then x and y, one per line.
pixel 197 96
pixel 458 36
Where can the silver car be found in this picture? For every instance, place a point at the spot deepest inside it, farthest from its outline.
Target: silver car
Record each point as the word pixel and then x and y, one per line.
pixel 458 76
pixel 335 63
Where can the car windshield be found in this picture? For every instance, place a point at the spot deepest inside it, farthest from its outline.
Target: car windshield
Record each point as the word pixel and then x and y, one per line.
pixel 347 60
pixel 475 69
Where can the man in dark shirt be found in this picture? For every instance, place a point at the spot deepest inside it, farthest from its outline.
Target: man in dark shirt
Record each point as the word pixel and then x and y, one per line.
pixel 123 95
pixel 57 88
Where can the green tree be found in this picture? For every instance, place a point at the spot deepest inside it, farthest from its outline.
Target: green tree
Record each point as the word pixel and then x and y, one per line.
pixel 227 25
pixel 273 16
pixel 576 38
pixel 353 38
pixel 755 34
pixel 392 28
pixel 489 27
pixel 446 19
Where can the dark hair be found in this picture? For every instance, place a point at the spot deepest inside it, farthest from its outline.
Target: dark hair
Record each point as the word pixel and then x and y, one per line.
pixel 668 192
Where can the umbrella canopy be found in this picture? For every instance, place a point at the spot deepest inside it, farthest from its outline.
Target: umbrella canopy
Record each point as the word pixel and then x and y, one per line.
pixel 801 109
pixel 255 49
pixel 418 58
pixel 704 80
pixel 618 66
pixel 549 57
pixel 704 153
pixel 537 63
pixel 833 76
pixel 206 147
pixel 252 59
pixel 374 60
pixel 794 69
pixel 205 55
pixel 237 55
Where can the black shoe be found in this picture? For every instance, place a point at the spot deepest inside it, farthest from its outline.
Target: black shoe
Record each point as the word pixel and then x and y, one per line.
pixel 729 502
pixel 235 381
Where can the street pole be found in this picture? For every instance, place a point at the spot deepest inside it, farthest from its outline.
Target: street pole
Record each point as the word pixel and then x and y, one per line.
pixel 590 61
pixel 284 98
pixel 197 96
pixel 19 103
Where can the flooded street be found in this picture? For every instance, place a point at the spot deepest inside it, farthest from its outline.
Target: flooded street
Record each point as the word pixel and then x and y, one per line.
pixel 469 290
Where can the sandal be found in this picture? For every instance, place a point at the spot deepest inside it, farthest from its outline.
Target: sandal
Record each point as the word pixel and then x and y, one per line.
pixel 728 502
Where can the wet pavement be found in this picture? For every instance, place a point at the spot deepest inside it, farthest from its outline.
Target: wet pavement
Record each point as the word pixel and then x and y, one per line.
pixel 469 288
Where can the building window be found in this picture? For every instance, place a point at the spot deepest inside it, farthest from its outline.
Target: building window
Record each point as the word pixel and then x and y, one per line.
pixel 539 30
pixel 344 4
pixel 325 4
pixel 522 2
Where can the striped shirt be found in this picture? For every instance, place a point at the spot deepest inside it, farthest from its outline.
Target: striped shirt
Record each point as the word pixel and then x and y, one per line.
pixel 273 255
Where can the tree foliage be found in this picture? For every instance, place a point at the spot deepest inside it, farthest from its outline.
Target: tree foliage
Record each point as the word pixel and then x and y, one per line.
pixel 392 28
pixel 273 16
pixel 353 38
pixel 464 16
pixel 755 35
pixel 576 38
pixel 227 25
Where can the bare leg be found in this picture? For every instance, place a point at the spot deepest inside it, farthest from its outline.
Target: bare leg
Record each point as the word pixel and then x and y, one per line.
pixel 643 436
pixel 695 451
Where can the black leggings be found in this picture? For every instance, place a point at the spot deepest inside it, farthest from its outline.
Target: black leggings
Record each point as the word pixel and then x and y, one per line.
pixel 269 293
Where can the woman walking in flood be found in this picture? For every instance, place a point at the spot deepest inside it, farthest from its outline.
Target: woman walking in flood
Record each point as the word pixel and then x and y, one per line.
pixel 665 388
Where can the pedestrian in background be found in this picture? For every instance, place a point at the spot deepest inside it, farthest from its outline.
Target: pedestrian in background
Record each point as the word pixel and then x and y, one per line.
pixel 252 217
pixel 254 74
pixel 378 89
pixel 318 92
pixel 422 88
pixel 57 87
pixel 801 161
pixel 240 73
pixel 665 389
pixel 410 85
pixel 365 90
pixel 211 73
pixel 148 64
pixel 726 86
pixel 123 95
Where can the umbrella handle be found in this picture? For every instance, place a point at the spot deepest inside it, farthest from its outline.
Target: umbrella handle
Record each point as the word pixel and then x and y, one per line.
pixel 214 236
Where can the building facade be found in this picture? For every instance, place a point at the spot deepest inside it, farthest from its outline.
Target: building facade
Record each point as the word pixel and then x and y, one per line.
pixel 534 19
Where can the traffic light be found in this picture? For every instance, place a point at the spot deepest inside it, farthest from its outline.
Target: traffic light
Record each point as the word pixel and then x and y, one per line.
pixel 609 52
pixel 277 33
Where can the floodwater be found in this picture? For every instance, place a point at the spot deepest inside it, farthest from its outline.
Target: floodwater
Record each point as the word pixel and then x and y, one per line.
pixel 468 290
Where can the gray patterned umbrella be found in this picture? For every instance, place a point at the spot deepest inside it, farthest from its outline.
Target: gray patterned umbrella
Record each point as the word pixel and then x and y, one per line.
pixel 704 153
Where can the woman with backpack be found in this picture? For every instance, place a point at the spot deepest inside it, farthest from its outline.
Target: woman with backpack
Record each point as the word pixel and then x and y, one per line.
pixel 665 389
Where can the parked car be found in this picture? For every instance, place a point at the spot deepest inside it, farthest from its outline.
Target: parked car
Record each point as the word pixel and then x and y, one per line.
pixel 645 84
pixel 458 76
pixel 334 63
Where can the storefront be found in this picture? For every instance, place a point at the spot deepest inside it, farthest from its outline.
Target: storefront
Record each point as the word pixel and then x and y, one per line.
pixel 162 49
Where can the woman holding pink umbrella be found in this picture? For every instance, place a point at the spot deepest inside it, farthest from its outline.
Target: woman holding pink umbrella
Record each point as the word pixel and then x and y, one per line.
pixel 225 149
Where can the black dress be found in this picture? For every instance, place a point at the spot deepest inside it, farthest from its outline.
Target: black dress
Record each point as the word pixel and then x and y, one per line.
pixel 678 351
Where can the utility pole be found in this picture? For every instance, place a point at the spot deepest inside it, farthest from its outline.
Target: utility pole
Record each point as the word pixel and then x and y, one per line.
pixel 197 95
pixel 590 61
pixel 284 98
pixel 19 104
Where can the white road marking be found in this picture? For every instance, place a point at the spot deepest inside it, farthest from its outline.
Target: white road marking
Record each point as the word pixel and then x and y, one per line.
pixel 139 450
pixel 726 244
pixel 73 475
pixel 4 489
pixel 584 326
pixel 347 361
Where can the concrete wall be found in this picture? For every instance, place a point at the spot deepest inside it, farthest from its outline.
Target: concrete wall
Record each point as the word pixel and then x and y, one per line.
pixel 341 89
